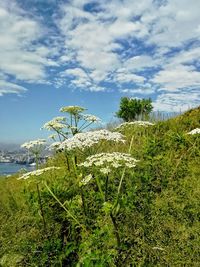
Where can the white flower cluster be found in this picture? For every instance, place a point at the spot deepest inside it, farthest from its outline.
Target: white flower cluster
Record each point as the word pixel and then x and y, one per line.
pixel 57 123
pixel 90 118
pixel 140 123
pixel 88 139
pixel 72 109
pixel 109 161
pixel 37 172
pixel 195 131
pixel 86 180
pixel 34 143
pixel 54 146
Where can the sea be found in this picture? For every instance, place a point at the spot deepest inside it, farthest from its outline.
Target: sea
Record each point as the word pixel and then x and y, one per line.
pixel 11 168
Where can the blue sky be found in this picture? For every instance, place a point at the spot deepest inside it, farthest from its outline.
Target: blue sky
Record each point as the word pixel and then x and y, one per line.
pixel 90 53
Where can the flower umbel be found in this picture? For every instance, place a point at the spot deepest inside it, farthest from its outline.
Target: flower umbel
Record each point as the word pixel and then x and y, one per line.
pixel 139 123
pixel 72 109
pixel 108 161
pixel 88 139
pixel 90 118
pixel 56 124
pixel 86 180
pixel 37 172
pixel 194 131
pixel 33 144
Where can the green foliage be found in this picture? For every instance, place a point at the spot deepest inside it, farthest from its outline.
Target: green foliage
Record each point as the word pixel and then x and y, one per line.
pixel 131 109
pixel 153 220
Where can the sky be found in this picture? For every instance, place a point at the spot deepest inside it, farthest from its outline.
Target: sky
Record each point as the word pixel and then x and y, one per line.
pixel 56 53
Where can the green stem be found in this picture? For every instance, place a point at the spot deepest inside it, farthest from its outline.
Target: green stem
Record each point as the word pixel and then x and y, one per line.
pixel 41 209
pixel 106 189
pixel 123 173
pixel 74 160
pixel 131 143
pixel 68 212
pixel 67 161
pixel 116 231
pixel 60 133
pixel 99 187
pixel 83 203
pixel 37 161
pixel 86 125
pixel 120 183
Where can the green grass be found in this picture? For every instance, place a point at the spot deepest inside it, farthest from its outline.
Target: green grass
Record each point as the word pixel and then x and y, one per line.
pixel 154 221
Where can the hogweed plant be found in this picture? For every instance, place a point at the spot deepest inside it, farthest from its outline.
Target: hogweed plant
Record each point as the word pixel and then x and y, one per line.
pixel 83 141
pixel 35 147
pixel 133 123
pixel 77 120
pixel 36 173
pixel 74 122
pixel 58 125
pixel 103 172
pixel 194 131
pixel 105 165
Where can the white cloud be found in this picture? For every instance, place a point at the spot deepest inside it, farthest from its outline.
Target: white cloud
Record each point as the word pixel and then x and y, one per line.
pixel 123 76
pixel 147 89
pixel 175 22
pixel 79 77
pixel 22 55
pixel 173 78
pixel 94 39
pixel 148 45
pixel 104 42
pixel 141 62
pixel 177 102
pixel 10 88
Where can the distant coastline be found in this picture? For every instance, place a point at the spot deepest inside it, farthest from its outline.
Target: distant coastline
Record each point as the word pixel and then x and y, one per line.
pixel 9 168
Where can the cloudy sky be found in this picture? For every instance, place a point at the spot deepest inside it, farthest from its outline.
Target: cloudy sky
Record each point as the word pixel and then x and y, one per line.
pixel 90 53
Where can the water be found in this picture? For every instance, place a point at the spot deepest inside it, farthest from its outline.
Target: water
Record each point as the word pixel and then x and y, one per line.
pixel 11 168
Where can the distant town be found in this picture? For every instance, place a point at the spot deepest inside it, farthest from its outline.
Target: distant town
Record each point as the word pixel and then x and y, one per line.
pixel 19 157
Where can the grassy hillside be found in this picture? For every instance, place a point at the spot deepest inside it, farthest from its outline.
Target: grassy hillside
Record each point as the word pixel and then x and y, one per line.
pixel 147 215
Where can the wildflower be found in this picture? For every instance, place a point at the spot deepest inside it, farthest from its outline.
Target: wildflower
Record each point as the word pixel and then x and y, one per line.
pixel 139 123
pixel 105 171
pixel 88 139
pixel 33 144
pixel 37 172
pixel 86 180
pixel 57 124
pixel 90 118
pixel 54 145
pixel 195 131
pixel 72 109
pixel 109 160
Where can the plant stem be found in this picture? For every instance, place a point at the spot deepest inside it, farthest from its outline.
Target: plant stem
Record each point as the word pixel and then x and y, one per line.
pixel 116 231
pixel 68 212
pixel 123 173
pixel 83 204
pixel 120 183
pixel 41 208
pixel 106 189
pixel 99 187
pixel 67 160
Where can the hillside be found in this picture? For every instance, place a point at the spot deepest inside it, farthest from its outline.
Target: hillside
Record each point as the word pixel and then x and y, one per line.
pixel 136 213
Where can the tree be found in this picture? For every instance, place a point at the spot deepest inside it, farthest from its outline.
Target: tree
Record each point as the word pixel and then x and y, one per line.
pixel 133 109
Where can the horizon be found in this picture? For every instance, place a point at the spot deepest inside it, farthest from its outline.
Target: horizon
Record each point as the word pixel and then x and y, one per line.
pixel 92 53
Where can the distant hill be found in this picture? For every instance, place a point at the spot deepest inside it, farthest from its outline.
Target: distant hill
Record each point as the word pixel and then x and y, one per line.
pixel 9 146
